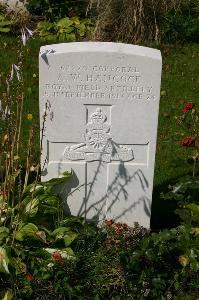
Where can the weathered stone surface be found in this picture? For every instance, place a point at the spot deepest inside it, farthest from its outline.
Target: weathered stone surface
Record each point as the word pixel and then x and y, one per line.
pixel 101 102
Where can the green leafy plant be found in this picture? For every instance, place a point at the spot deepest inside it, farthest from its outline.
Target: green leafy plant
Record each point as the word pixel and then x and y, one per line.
pixel 147 21
pixel 36 235
pixel 5 25
pixel 183 24
pixel 184 194
pixel 65 29
pixel 165 265
pixel 45 30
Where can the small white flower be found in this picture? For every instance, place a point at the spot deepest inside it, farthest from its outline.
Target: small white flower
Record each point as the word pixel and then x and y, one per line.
pixel 7 111
pixel 4 263
pixel 15 70
pixel 146 292
pixel 176 188
pixel 50 265
pixel 32 169
pixel 25 35
pixel 30 32
pixel 12 73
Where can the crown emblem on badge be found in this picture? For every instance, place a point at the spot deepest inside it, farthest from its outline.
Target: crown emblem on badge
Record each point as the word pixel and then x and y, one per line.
pixel 98 117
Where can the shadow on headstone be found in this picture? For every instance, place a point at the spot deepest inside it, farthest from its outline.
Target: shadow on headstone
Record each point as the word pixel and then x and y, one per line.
pixel 116 191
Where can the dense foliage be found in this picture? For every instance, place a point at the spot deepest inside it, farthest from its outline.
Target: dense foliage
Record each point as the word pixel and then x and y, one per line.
pixel 181 25
pixel 140 21
pixel 54 10
pixel 46 253
pixel 136 21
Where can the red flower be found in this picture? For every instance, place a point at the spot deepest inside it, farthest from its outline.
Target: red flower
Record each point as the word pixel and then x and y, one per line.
pixel 188 106
pixel 109 222
pixel 29 277
pixel 57 256
pixel 188 141
pixel 120 227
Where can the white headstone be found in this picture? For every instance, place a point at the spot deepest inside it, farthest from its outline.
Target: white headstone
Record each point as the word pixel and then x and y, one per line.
pixel 101 102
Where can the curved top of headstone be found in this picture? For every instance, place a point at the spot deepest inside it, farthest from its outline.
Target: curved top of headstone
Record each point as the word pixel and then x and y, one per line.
pixel 119 48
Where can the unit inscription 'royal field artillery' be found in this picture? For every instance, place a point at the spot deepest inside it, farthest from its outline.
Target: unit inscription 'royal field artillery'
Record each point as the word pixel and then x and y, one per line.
pixel 98 143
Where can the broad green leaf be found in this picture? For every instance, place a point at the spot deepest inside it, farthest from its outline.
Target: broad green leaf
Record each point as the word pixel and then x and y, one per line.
pixel 19 265
pixel 36 188
pixel 64 23
pixel 69 238
pixel 8 295
pixel 68 37
pixel 66 234
pixel 75 20
pixel 28 230
pixel 4 261
pixel 5 23
pixel 81 29
pixel 51 184
pixel 68 254
pixel 193 207
pixel 32 207
pixel 48 199
pixel 4 232
pixel 45 25
pixel 60 232
pixel 4 29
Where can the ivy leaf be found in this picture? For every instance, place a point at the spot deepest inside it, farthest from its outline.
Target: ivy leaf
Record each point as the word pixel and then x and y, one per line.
pixel 28 230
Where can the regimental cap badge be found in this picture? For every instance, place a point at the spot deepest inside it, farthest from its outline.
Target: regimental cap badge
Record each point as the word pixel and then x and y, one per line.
pixel 98 117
